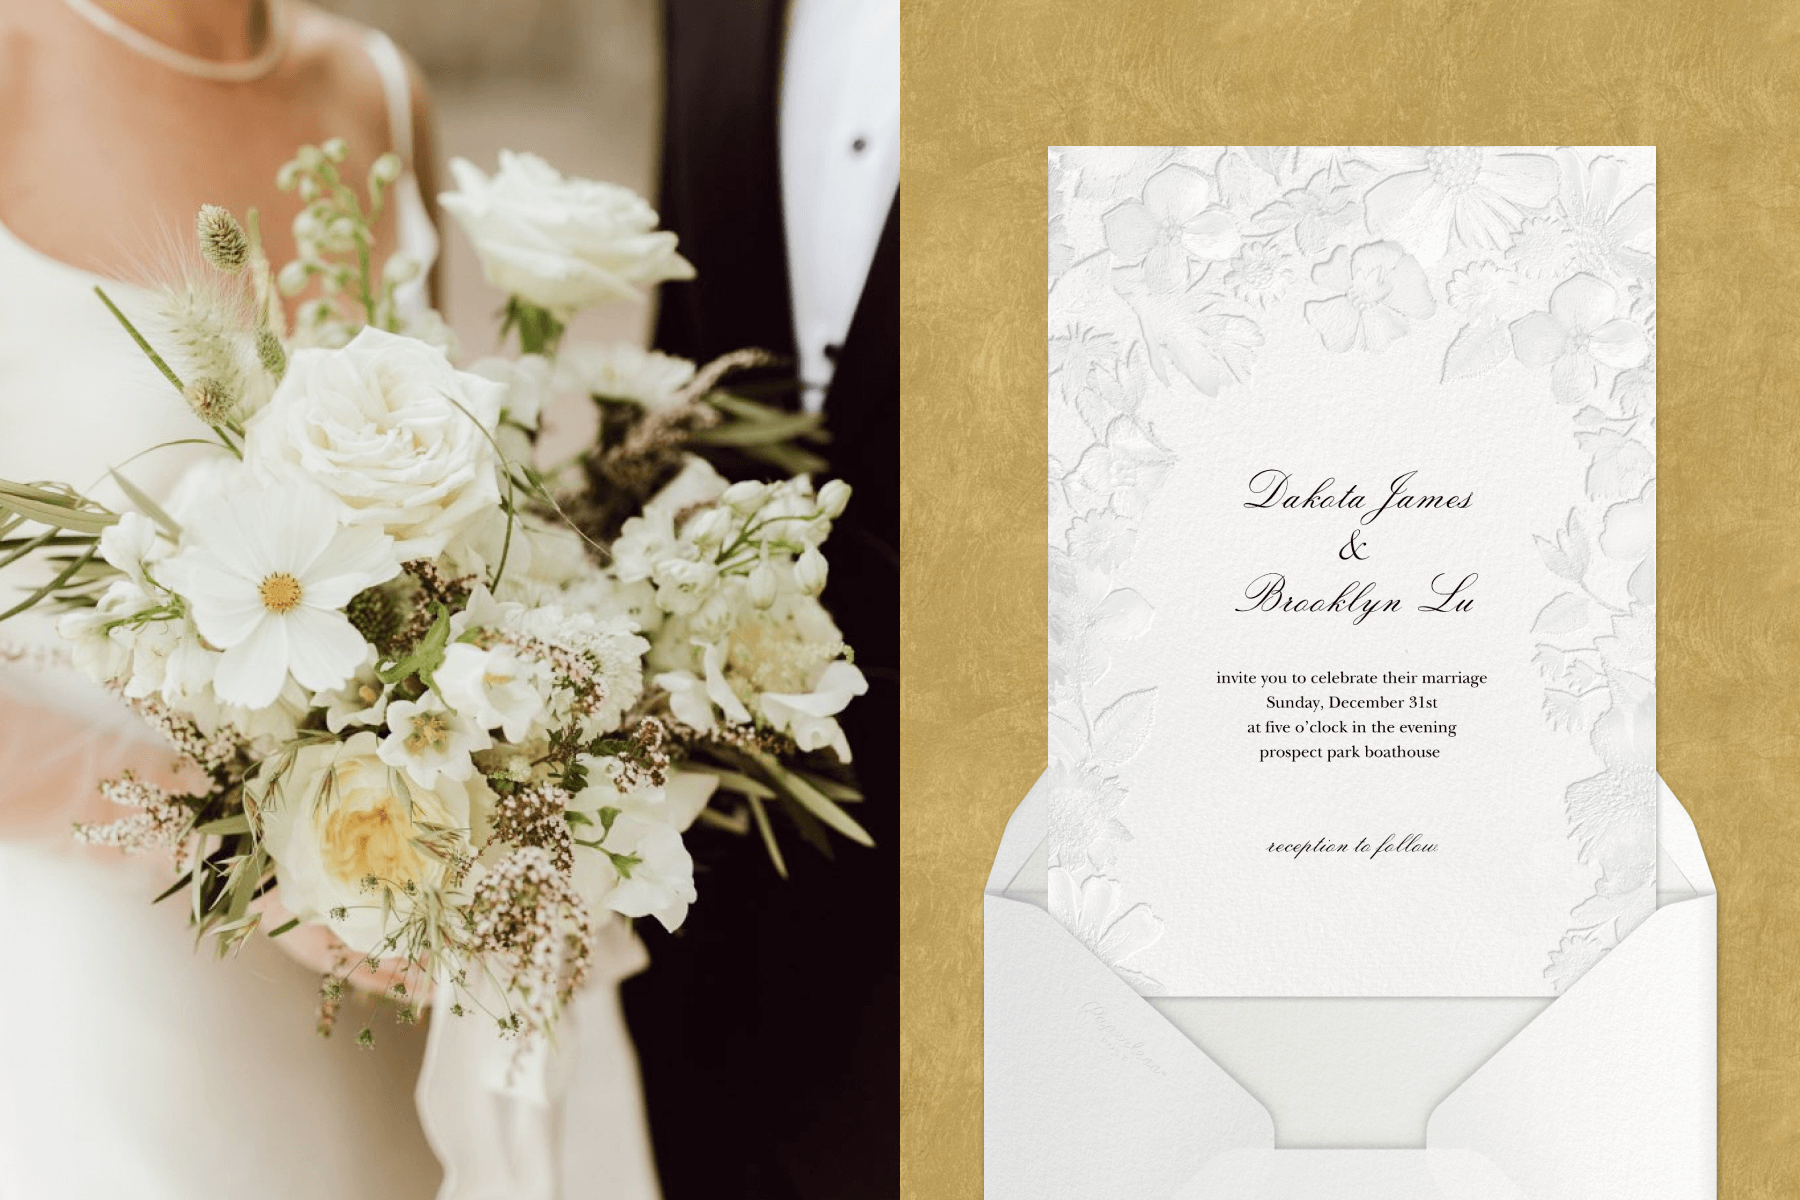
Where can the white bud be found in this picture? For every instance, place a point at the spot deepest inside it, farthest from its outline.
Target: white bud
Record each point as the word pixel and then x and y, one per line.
pixel 309 158
pixel 710 527
pixel 834 498
pixel 714 620
pixel 745 495
pixel 341 234
pixel 810 570
pixel 287 176
pixel 385 170
pixel 309 188
pixel 401 268
pixel 335 149
pixel 292 278
pixel 763 585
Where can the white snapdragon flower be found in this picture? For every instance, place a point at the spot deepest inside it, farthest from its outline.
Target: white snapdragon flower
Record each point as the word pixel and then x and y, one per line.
pixel 498 688
pixel 131 544
pixel 388 426
pixel 809 717
pixel 427 739
pixel 266 573
pixel 362 700
pixel 101 653
pixel 653 873
pixel 623 372
pixel 561 244
pixel 692 698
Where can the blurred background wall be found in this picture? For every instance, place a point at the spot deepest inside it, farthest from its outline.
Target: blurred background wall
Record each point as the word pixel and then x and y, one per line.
pixel 577 81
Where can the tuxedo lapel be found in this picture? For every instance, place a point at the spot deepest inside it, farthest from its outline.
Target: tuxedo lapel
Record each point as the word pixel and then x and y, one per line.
pixel 862 411
pixel 721 179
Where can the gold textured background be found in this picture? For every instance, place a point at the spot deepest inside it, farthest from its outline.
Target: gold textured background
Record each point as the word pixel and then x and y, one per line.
pixel 988 85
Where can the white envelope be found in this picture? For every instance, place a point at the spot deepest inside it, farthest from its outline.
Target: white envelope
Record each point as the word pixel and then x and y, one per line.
pixel 1092 1091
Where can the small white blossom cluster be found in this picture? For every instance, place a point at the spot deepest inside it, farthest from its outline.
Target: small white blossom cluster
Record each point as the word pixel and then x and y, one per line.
pixel 445 724
pixel 739 638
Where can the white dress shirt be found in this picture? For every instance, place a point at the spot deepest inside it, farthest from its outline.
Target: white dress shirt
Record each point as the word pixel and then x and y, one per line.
pixel 840 166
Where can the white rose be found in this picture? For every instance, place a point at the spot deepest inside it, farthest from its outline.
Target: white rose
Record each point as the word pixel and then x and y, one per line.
pixel 561 244
pixel 338 815
pixel 393 430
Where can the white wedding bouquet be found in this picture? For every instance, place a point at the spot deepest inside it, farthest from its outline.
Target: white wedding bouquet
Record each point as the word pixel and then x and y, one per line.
pixel 455 709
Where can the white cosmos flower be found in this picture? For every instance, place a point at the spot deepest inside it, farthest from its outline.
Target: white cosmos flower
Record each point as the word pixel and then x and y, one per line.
pixel 266 572
pixel 497 688
pixel 427 739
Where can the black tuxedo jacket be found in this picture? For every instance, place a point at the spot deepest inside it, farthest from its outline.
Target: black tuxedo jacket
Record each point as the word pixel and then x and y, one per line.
pixel 768 1027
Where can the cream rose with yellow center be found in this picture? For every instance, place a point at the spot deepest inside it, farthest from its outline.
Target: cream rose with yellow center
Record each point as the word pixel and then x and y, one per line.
pixel 337 817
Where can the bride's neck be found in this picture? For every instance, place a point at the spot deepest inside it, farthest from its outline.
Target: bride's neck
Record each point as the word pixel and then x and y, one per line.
pixel 223 30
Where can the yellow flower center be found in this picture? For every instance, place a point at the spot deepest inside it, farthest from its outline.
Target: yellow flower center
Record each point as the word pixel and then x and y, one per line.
pixel 429 731
pixel 280 592
pixel 377 841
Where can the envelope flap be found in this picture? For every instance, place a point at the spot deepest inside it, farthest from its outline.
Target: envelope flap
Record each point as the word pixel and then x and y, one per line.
pixel 1613 1090
pixel 1677 838
pixel 1091 1094
pixel 1025 831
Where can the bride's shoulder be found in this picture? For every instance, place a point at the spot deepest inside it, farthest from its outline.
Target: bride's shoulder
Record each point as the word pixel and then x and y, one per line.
pixel 335 60
pixel 336 55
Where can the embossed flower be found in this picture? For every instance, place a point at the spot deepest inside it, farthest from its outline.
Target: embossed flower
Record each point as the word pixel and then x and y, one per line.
pixel 1102 539
pixel 1260 273
pixel 1097 912
pixel 1606 232
pixel 1541 248
pixel 1470 195
pixel 1320 213
pixel 1481 292
pixel 1174 221
pixel 1124 471
pixel 1577 335
pixel 1382 289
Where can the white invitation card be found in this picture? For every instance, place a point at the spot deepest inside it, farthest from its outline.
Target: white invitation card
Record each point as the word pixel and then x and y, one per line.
pixel 1352 564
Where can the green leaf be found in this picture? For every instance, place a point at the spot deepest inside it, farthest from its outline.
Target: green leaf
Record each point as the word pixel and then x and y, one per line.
pixel 59 509
pixel 66 574
pixel 236 823
pixel 426 657
pixel 285 926
pixel 733 781
pixel 143 344
pixel 757 433
pixel 812 799
pixel 768 836
pixel 843 793
pixel 146 505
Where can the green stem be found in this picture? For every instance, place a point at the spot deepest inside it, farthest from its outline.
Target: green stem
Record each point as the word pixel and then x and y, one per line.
pixel 168 372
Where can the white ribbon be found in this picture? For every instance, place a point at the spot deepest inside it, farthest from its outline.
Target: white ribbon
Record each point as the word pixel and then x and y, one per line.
pixel 496 1117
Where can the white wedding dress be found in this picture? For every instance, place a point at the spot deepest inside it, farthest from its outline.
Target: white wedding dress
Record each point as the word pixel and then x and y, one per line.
pixel 134 1065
